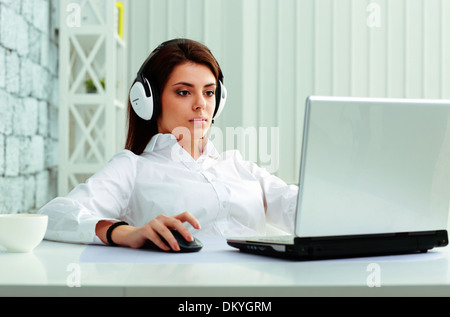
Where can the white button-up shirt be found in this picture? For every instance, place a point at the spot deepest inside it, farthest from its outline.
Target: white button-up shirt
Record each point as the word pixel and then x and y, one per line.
pixel 227 195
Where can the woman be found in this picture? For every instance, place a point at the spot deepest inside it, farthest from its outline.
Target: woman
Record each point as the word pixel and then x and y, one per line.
pixel 170 176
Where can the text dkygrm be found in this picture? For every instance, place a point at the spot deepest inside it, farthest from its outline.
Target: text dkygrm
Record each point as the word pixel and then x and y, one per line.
pixel 226 307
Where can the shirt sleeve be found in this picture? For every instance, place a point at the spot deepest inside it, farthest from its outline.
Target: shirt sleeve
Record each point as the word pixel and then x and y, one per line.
pixel 104 196
pixel 280 199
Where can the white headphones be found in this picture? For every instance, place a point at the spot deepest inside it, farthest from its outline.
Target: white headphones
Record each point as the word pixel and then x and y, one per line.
pixel 142 96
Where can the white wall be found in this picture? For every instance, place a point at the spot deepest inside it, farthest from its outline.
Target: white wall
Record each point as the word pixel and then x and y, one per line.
pixel 275 53
pixel 28 104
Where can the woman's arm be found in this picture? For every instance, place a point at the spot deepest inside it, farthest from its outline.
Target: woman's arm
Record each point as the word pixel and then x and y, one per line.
pixel 280 199
pixel 105 196
pixel 137 237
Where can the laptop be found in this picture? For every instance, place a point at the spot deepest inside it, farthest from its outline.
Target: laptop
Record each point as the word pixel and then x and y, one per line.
pixel 374 180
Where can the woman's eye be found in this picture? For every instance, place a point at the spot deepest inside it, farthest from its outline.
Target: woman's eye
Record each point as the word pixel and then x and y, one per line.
pixel 183 92
pixel 210 93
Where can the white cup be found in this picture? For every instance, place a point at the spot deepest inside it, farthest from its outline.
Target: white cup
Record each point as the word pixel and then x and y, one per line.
pixel 22 232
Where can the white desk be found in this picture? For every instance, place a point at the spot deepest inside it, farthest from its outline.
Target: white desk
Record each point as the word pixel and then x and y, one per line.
pixel 104 271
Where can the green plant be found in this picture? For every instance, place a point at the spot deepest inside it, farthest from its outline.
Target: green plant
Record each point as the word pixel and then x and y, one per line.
pixel 90 86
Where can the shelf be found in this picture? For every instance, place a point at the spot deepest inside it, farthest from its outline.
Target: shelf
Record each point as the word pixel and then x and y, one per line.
pixel 90 123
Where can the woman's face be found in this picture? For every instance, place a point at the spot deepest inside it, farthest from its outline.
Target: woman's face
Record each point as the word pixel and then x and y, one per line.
pixel 188 101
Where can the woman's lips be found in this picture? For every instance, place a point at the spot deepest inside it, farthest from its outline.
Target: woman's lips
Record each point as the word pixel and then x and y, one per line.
pixel 198 120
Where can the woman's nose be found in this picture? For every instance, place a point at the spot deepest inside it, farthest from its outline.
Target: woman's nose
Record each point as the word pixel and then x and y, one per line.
pixel 200 103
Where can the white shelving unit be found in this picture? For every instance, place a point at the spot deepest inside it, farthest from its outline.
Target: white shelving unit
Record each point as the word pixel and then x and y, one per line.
pixel 91 123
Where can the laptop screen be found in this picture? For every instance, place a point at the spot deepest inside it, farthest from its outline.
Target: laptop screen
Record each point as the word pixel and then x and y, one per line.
pixel 374 166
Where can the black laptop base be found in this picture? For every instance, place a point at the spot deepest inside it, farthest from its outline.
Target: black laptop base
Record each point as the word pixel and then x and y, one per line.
pixel 316 248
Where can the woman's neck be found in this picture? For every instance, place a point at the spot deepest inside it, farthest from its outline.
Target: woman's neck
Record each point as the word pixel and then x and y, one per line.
pixel 195 147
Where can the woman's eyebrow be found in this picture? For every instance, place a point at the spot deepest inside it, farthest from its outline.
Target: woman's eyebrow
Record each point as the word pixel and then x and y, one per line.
pixel 182 83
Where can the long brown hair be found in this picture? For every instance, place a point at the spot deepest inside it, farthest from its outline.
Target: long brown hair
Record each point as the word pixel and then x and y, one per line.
pixel 160 65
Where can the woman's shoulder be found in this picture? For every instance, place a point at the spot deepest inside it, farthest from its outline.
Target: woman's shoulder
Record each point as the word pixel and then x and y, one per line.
pixel 234 155
pixel 242 163
pixel 124 159
pixel 124 155
pixel 236 158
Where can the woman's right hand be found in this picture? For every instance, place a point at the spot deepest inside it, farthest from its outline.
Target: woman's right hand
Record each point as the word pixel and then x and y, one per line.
pixel 137 237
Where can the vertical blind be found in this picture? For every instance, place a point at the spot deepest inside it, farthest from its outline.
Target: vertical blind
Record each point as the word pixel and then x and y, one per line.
pixel 276 53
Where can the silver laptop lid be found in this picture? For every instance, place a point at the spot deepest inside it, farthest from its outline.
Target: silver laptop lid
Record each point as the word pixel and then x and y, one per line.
pixel 374 166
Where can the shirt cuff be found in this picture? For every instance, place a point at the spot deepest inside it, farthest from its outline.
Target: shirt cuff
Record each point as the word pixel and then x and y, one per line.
pixel 84 233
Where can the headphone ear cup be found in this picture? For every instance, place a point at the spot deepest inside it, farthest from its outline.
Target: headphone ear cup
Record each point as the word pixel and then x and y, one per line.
pixel 141 99
pixel 221 98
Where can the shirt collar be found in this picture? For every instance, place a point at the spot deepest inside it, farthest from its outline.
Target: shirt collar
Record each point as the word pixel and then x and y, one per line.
pixel 162 141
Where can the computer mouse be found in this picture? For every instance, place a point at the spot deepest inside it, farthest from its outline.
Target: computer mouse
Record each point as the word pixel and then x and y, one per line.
pixel 185 246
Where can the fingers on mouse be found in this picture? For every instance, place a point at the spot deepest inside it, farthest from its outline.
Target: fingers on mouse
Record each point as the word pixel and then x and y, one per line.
pixel 185 246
